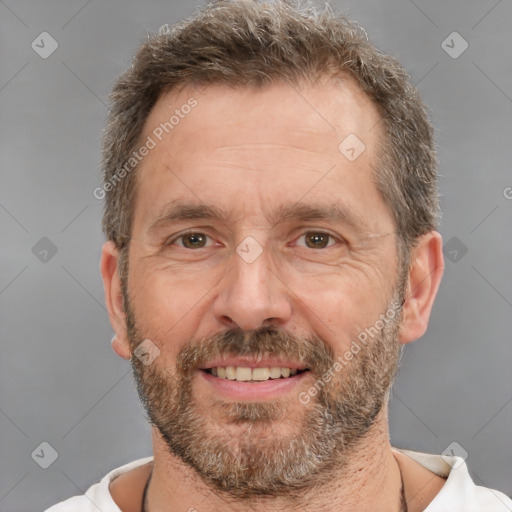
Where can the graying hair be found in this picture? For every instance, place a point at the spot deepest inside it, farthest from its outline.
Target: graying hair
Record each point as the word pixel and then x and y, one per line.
pixel 249 43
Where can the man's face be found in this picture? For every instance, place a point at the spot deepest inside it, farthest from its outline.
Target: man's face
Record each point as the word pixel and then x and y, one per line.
pixel 282 254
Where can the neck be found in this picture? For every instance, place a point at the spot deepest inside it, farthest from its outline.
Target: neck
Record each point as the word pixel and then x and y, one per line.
pixel 370 480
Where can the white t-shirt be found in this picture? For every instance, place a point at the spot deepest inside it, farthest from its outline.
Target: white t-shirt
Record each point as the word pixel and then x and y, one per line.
pixel 459 493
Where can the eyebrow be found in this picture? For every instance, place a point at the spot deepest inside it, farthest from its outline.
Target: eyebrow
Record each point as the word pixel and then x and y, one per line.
pixel 335 212
pixel 178 211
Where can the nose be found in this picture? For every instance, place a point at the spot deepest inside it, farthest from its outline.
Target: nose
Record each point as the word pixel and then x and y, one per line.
pixel 252 295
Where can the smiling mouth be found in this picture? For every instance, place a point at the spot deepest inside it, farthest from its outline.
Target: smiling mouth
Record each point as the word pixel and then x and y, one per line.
pixel 247 374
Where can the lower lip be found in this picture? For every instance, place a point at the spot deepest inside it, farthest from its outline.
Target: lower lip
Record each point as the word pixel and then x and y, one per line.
pixel 239 390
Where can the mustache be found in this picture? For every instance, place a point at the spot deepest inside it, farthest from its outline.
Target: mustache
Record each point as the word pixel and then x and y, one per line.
pixel 310 350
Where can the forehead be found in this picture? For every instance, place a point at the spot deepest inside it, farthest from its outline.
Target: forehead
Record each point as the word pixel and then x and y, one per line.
pixel 265 146
pixel 328 108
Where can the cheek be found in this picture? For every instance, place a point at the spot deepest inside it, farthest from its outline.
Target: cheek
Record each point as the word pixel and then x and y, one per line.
pixel 168 305
pixel 340 306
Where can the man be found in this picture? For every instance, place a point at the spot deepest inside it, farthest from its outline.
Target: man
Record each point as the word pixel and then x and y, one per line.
pixel 271 206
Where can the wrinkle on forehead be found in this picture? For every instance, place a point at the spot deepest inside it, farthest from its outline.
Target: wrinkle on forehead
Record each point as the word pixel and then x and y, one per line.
pixel 273 145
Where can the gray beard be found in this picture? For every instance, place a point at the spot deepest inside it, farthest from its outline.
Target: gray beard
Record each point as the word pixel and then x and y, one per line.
pixel 269 449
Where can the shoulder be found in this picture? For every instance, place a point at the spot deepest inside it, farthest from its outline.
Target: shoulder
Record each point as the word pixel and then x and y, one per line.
pixel 98 496
pixel 459 493
pixel 462 495
pixel 80 504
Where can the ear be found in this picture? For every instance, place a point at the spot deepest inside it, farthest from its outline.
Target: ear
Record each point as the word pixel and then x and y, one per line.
pixel 425 273
pixel 114 298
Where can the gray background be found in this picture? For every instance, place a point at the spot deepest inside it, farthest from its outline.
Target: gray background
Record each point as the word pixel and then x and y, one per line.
pixel 60 381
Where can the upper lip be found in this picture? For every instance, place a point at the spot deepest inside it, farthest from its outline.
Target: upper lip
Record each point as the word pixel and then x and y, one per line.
pixel 253 363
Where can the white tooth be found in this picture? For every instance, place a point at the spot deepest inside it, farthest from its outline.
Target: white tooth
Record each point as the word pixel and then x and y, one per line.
pixel 275 372
pixel 243 373
pixel 293 371
pixel 230 372
pixel 285 372
pixel 260 373
pixel 221 372
pixel 214 371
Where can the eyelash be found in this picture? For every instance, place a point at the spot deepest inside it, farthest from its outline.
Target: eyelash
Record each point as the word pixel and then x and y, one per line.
pixel 332 237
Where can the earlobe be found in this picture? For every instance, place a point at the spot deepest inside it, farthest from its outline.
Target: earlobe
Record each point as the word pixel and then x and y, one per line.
pixel 425 273
pixel 120 348
pixel 114 299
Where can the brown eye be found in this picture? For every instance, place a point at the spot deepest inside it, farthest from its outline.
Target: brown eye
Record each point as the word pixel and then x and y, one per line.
pixel 193 240
pixel 317 239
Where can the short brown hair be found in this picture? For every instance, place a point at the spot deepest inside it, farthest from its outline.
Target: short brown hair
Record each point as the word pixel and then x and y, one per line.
pixel 246 42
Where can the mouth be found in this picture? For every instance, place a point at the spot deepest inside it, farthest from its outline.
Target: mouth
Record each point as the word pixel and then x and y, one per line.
pixel 253 375
pixel 242 379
